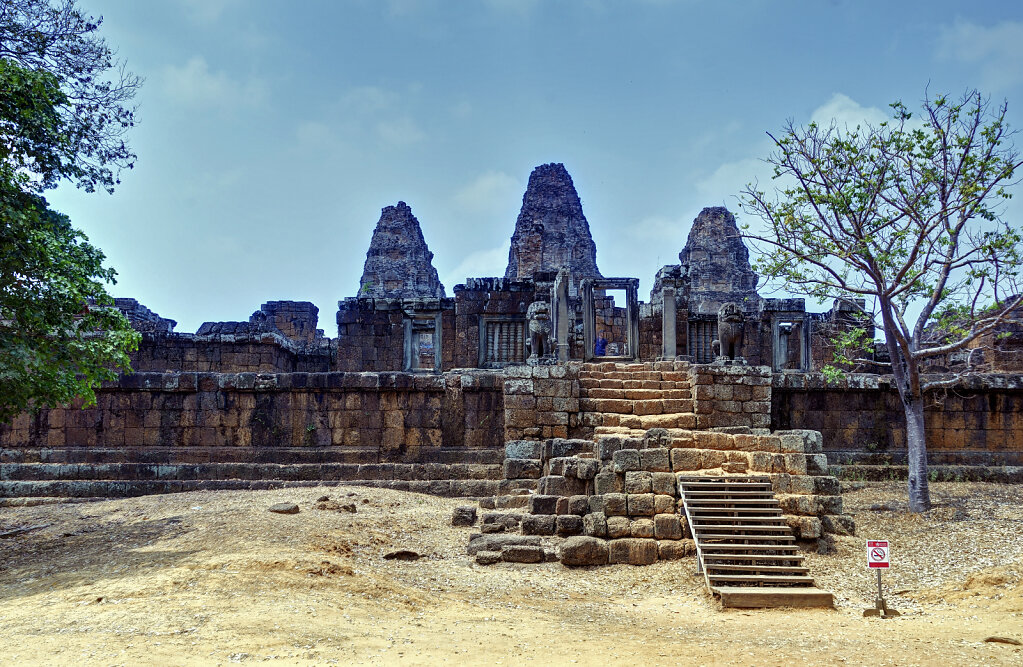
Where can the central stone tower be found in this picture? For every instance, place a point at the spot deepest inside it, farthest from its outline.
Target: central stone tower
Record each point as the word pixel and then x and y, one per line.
pixel 551 232
pixel 398 263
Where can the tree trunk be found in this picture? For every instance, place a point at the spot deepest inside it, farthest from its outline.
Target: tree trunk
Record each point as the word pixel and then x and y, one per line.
pixel 906 372
pixel 916 445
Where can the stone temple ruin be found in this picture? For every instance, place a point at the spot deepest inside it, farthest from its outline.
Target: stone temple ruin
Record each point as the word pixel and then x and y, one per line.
pixel 591 426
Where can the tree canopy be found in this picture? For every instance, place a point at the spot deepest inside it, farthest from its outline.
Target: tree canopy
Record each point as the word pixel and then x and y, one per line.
pixel 59 119
pixel 907 214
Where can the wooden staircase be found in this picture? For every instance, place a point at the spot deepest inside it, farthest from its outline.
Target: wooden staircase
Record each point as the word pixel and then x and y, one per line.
pixel 744 548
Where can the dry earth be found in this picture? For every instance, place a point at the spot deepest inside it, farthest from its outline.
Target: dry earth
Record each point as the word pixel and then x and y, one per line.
pixel 214 578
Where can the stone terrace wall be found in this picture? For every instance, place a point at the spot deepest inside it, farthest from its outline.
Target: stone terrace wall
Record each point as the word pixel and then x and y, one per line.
pixel 231 353
pixel 395 412
pixel 726 396
pixel 979 421
pixel 541 402
pixel 371 335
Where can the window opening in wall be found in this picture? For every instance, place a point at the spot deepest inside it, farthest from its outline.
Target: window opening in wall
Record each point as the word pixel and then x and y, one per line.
pixel 611 323
pixel 504 342
pixel 702 334
pixel 788 346
pixel 421 340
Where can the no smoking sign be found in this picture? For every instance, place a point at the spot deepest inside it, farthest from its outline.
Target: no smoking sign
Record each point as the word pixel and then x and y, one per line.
pixel 877 554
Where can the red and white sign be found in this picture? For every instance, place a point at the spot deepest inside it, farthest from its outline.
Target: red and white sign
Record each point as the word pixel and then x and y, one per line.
pixel 877 554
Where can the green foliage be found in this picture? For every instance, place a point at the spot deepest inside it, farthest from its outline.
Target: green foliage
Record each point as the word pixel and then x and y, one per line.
pixel 56 45
pixel 906 214
pixel 58 334
pixel 61 117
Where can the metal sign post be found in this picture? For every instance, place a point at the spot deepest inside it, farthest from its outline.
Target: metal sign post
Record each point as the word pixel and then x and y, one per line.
pixel 878 559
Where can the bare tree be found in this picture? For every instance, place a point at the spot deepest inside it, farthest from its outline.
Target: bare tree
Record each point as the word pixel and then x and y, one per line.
pixel 96 110
pixel 906 214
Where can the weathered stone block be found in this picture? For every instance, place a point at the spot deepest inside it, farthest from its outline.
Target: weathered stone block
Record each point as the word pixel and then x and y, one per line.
pixel 664 504
pixel 522 469
pixel 596 504
pixel 795 464
pixel 478 542
pixel 464 515
pixel 618 526
pixel 615 504
pixel 638 481
pixel 521 553
pixel 642 528
pixel 816 464
pixel 675 549
pixel 805 527
pixel 540 504
pixel 663 483
pixel 488 557
pixel 582 551
pixel 640 504
pixel 608 482
pixel 838 524
pixel 667 527
pixel 569 524
pixel 626 460
pixel 633 551
pixel 538 524
pixel 595 524
pixel 686 460
pixel 655 460
pixel 578 504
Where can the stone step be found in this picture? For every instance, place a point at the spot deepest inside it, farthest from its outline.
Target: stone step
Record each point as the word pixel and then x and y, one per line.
pixel 937 473
pixel 248 471
pixel 178 455
pixel 889 457
pixel 121 488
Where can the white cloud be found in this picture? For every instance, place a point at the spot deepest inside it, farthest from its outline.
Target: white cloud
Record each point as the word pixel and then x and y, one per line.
pixel 314 133
pixel 723 185
pixel 479 264
pixel 488 193
pixel 366 100
pixel 207 12
pixel 194 84
pixel 847 113
pixel 401 131
pixel 994 50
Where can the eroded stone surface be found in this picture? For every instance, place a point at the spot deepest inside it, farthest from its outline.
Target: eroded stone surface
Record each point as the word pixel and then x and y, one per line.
pixel 716 262
pixel 551 231
pixel 398 263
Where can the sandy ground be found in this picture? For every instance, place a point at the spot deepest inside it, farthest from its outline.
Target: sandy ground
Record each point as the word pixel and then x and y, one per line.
pixel 214 578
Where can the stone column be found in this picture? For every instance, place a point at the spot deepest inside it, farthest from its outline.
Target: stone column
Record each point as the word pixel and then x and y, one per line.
pixel 668 324
pixel 560 311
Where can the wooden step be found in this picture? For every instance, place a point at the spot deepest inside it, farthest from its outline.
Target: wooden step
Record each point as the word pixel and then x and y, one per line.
pixel 755 538
pixel 730 494
pixel 761 512
pixel 751 519
pixel 732 501
pixel 786 569
pixel 750 598
pixel 733 547
pixel 731 527
pixel 761 579
pixel 765 557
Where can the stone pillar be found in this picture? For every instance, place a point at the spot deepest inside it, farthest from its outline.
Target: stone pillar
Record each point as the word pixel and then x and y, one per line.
pixel 668 324
pixel 560 311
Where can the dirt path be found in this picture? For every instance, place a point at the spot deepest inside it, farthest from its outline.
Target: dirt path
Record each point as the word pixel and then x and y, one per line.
pixel 213 578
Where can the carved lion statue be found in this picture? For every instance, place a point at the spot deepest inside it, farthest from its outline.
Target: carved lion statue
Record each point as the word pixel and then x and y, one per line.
pixel 729 342
pixel 539 316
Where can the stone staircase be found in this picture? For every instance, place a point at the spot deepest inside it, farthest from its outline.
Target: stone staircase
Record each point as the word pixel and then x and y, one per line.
pixel 80 472
pixel 744 546
pixel 628 399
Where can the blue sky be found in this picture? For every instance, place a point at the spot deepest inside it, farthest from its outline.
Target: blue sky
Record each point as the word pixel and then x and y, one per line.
pixel 272 133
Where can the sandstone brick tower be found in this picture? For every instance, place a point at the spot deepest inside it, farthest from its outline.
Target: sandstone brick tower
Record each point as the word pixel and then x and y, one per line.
pixel 551 232
pixel 398 263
